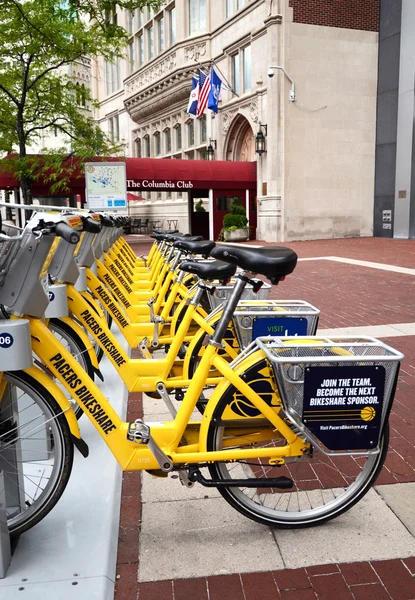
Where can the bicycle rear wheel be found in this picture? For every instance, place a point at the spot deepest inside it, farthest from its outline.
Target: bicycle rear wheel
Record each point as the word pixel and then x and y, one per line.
pixel 323 487
pixel 36 451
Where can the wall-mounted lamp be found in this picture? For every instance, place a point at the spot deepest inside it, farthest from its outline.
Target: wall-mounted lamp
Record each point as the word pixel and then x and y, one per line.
pixel 293 94
pixel 260 147
pixel 210 150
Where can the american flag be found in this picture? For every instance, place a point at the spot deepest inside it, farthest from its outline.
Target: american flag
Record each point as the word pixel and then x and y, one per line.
pixel 204 88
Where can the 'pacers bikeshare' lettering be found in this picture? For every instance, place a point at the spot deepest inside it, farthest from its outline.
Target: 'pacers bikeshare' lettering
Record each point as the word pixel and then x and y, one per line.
pixel 82 393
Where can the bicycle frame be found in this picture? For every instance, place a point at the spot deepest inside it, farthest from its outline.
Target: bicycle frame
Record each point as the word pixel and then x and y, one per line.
pixel 181 440
pixel 141 374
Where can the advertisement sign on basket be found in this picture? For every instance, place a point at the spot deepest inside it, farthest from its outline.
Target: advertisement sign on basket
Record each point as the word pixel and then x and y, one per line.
pixel 343 405
pixel 279 326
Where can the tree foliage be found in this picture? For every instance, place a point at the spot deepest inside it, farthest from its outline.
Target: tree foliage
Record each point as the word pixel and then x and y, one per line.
pixel 40 42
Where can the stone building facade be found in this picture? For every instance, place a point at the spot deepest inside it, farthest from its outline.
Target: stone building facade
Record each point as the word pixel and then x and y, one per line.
pixel 316 178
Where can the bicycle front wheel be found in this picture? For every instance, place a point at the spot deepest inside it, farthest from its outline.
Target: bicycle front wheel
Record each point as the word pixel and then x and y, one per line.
pixel 36 450
pixel 323 486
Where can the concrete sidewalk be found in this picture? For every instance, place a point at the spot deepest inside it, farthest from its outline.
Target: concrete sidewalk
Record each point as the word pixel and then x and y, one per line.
pixel 177 543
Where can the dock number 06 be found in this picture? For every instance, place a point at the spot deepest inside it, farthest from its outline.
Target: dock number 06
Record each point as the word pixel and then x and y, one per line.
pixel 6 340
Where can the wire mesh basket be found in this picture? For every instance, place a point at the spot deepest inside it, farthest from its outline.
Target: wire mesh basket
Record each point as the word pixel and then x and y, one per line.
pixel 223 292
pixel 8 250
pixel 337 390
pixel 256 318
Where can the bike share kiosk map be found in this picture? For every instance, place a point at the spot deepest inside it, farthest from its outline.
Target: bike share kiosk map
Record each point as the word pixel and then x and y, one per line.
pixel 106 185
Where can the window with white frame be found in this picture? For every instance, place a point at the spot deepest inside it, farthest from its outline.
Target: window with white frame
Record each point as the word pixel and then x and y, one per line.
pixel 246 62
pixel 131 62
pixel 172 25
pixel 147 146
pixel 137 147
pixel 191 133
pixel 160 35
pixel 202 129
pixel 139 18
pixel 179 142
pixel 130 21
pixel 112 76
pixel 236 73
pixel 167 141
pixel 197 16
pixel 150 43
pixel 114 128
pixel 241 70
pixel 157 143
pixel 233 5
pixel 140 50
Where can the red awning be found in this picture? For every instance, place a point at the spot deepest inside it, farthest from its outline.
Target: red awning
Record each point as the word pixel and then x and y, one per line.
pixel 133 197
pixel 152 174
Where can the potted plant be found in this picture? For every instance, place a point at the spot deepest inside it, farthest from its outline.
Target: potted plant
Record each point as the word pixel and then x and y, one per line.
pixel 235 224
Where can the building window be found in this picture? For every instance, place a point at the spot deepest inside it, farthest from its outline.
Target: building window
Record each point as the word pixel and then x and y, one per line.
pixel 172 26
pixel 157 143
pixel 179 137
pixel 112 76
pixel 147 146
pixel 140 50
pixel 150 39
pixel 149 13
pixel 114 128
pixel 137 147
pixel 160 34
pixel 197 16
pixel 139 18
pixel 130 19
pixel 131 64
pixel 191 133
pixel 236 73
pixel 203 129
pixel 246 59
pixel 167 141
pixel 233 5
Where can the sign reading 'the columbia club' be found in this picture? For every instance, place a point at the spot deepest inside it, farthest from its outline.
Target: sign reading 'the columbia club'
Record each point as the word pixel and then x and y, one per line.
pixel 343 405
pixel 151 184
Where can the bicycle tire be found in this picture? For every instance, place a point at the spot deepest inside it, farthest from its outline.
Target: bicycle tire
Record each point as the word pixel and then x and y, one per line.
pixel 36 507
pixel 79 351
pixel 299 507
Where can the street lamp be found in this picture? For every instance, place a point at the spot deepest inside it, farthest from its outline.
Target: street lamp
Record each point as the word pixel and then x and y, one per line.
pixel 260 147
pixel 210 150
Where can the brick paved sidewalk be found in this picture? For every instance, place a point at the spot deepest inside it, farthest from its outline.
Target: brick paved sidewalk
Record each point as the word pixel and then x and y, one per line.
pixel 347 295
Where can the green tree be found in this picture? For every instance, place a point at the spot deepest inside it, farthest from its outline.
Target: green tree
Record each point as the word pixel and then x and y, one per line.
pixel 39 41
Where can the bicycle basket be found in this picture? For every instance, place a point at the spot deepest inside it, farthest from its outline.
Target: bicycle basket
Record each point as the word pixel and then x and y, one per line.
pixel 8 251
pixel 337 390
pixel 256 318
pixel 223 292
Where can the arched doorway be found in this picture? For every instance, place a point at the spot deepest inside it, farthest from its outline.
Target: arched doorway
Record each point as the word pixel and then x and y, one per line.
pixel 240 143
pixel 239 147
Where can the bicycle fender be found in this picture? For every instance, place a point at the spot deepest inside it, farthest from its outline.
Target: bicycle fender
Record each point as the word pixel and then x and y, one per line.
pixel 64 404
pixel 85 339
pixel 217 396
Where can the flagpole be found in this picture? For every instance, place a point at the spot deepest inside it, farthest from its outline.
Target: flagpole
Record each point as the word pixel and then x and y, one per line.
pixel 226 81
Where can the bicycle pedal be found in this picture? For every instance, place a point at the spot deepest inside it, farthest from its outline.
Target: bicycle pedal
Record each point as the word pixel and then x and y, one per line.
pixel 157 473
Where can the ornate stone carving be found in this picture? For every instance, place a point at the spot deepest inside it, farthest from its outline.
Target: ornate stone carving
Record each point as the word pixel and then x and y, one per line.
pixel 140 108
pixel 195 51
pixel 227 118
pixel 153 73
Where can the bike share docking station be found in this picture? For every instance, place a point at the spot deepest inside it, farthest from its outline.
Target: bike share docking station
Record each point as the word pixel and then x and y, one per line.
pixel 15 354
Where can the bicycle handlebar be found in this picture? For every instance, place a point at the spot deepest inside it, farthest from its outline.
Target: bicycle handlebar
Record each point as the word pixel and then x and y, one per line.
pixel 106 221
pixel 90 225
pixel 67 233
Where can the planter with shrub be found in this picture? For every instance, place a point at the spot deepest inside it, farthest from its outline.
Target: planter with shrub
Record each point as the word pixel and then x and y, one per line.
pixel 235 224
